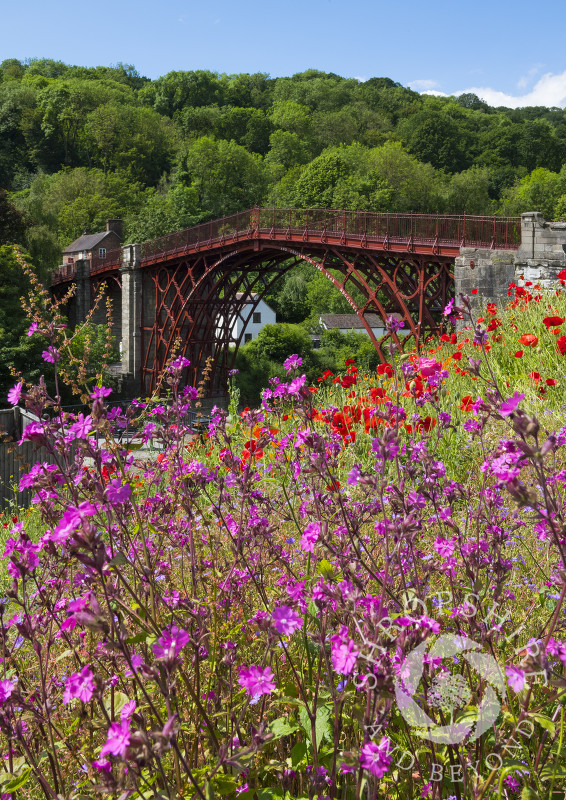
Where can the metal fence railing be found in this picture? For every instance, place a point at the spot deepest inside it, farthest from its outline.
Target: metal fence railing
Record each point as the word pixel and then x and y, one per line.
pixel 431 230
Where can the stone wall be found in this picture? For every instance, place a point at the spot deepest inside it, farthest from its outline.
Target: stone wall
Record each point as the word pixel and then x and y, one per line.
pixel 539 259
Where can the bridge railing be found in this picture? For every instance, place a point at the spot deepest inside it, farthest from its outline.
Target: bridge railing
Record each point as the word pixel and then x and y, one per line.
pixel 99 263
pixel 365 226
pixel 430 229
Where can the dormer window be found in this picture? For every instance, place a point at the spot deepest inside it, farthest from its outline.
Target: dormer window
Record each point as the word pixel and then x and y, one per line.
pixel 102 252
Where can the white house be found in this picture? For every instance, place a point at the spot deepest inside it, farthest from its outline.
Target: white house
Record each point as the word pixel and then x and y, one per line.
pixel 346 323
pixel 248 322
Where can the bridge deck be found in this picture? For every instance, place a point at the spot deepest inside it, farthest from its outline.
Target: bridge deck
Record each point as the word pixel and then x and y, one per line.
pixel 424 234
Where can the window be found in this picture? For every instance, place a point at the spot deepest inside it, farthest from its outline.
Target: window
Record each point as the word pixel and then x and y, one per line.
pixel 257 316
pixel 102 252
pixel 247 337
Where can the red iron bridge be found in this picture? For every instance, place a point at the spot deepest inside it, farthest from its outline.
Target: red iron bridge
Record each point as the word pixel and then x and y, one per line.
pixel 183 292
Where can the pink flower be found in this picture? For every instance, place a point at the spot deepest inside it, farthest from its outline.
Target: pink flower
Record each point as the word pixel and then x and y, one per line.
pixel 170 644
pixel 15 393
pixel 343 652
pixel 103 765
pixel 444 547
pixel 286 620
pixel 515 678
pixel 116 493
pixel 6 689
pixel 50 355
pixel 81 685
pixel 375 757
pixel 32 329
pixel 118 739
pixel 508 406
pixel 428 366
pixel 310 536
pixel 256 680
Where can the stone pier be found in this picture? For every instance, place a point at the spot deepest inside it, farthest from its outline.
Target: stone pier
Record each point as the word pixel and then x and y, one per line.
pixel 541 256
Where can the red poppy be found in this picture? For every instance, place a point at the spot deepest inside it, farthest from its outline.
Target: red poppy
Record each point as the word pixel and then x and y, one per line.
pixel 325 375
pixel 551 381
pixel 491 308
pixel 333 486
pixel 519 354
pixel 562 275
pixel 457 356
pixel 561 345
pixel 377 393
pixel 350 361
pixel 552 322
pixel 529 340
pixel 466 404
pixel 444 338
pixel 474 291
pixel 425 424
pixel 495 323
pixel 385 369
pixel 535 377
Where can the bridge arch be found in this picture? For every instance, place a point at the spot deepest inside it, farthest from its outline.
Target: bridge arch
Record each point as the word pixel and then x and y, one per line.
pixel 192 298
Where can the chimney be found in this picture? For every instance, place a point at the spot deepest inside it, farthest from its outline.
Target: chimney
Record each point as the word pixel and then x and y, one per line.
pixel 86 231
pixel 114 225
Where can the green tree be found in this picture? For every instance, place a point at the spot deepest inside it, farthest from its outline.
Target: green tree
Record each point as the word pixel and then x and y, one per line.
pixel 136 140
pixel 469 192
pixel 176 90
pixel 541 190
pixel 435 138
pixel 224 175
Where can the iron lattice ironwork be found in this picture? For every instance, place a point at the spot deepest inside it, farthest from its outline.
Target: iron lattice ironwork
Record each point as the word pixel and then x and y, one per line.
pixel 197 282
pixel 197 301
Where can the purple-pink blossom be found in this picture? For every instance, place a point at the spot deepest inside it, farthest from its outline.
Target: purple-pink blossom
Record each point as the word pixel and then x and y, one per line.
pixel 117 493
pixel 81 685
pixel 6 688
pixel 376 758
pixel 286 620
pixel 310 536
pixel 508 406
pixel 50 355
pixel 118 739
pixel 256 680
pixel 15 393
pixel 170 644
pixel 343 652
pixel 516 678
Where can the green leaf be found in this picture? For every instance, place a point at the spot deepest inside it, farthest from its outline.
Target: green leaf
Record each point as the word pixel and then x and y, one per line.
pixel 282 727
pixel 322 724
pixel 209 791
pixel 557 772
pixel 65 654
pixel 529 794
pixel 119 560
pixel 17 782
pixel 225 784
pixel 268 794
pixel 545 723
pixel 298 752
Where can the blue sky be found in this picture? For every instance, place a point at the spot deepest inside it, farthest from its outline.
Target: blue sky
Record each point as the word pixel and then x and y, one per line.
pixel 508 53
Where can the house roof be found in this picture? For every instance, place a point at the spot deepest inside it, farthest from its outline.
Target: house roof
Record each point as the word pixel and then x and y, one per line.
pixel 352 321
pixel 87 241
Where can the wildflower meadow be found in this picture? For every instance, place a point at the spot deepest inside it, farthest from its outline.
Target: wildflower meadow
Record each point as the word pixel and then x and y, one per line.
pixel 355 590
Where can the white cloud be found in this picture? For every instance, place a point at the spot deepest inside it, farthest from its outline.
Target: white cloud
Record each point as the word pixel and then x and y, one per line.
pixel 424 86
pixel 549 90
pixel 527 79
pixel 436 93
